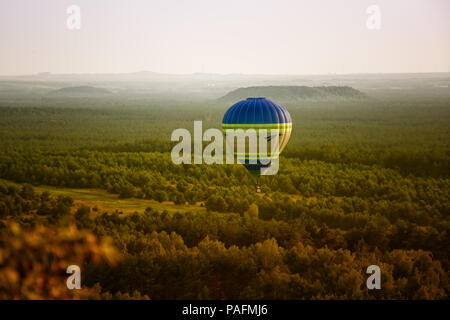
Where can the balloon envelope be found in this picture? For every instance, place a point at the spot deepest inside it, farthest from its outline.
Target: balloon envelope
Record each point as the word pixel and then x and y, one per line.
pixel 257 114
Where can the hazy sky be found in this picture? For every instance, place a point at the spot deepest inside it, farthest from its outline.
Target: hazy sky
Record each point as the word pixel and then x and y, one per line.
pixel 224 36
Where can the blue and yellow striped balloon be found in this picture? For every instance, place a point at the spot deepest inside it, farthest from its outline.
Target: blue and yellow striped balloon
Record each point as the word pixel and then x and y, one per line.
pixel 258 113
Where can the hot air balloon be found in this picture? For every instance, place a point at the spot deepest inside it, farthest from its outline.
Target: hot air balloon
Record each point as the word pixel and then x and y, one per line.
pixel 257 114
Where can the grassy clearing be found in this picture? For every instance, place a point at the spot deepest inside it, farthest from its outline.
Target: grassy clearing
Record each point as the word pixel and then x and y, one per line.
pixel 110 202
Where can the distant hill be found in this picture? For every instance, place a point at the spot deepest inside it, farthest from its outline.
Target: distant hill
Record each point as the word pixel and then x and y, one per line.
pixel 294 93
pixel 80 91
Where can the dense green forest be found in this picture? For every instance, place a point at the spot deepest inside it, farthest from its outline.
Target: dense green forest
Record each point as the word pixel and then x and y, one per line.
pixel 360 183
